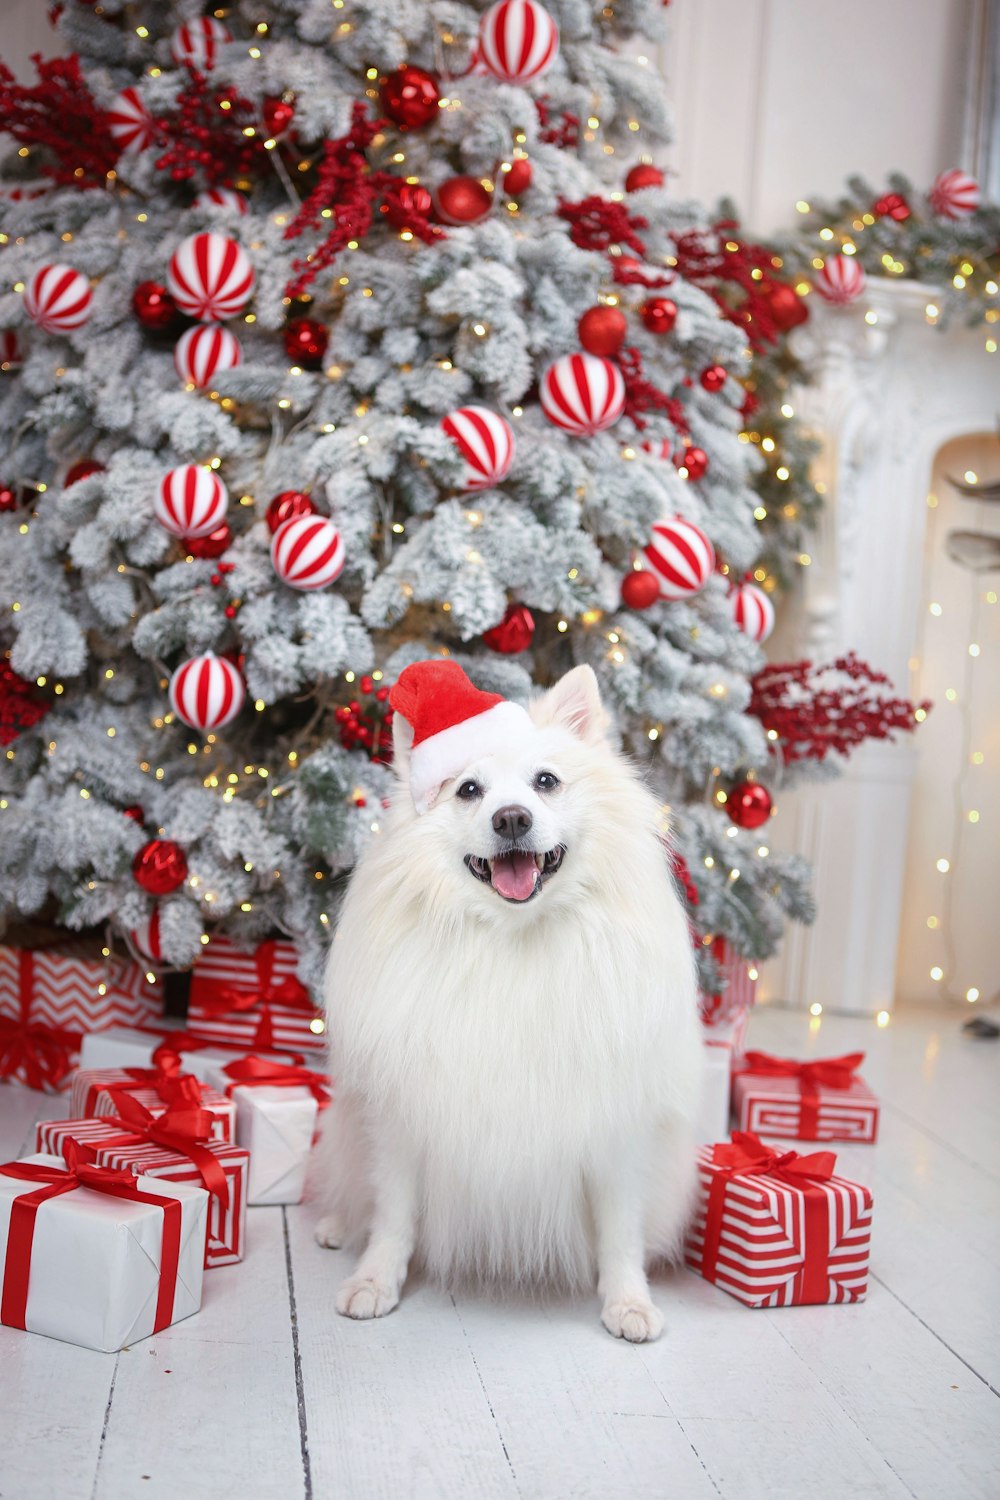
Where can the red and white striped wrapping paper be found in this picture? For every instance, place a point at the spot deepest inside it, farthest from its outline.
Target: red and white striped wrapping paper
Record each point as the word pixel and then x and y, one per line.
pixel 737 998
pixel 781 1243
pixel 93 1089
pixel 253 1001
pixel 770 1104
pixel 226 1241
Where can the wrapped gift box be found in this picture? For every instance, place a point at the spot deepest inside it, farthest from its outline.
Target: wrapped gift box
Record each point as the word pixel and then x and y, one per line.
pixel 111 1260
pixel 98 1091
pixel 735 998
pixel 823 1100
pixel 50 995
pixel 253 1001
pixel 713 1117
pixel 220 1168
pixel 276 1113
pixel 134 1047
pixel 779 1229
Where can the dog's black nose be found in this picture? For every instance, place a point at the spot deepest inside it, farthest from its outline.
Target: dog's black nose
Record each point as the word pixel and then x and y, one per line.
pixel 511 822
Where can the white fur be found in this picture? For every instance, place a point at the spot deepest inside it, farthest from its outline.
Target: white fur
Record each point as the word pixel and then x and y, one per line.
pixel 515 1083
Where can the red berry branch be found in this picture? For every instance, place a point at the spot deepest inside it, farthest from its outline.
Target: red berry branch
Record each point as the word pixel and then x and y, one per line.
pixel 60 116
pixel 728 275
pixel 641 395
pixel 814 710
pixel 20 707
pixel 597 224
pixel 204 135
pixel 367 725
pixel 565 134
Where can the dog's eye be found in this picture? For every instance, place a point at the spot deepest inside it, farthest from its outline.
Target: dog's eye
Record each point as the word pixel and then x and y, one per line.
pixel 468 790
pixel 546 781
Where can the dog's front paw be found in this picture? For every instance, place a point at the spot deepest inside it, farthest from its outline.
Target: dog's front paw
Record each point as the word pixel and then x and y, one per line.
pixel 329 1232
pixel 366 1297
pixel 636 1321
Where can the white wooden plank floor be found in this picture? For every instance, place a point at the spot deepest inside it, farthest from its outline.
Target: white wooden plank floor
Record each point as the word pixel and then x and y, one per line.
pixel 267 1393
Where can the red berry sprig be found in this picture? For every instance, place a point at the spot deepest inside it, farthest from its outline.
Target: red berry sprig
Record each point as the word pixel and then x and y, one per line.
pixel 365 723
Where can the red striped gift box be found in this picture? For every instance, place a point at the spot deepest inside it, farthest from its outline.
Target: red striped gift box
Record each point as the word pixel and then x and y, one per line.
pixel 109 1143
pixel 820 1100
pixel 738 992
pixel 95 1091
pixel 776 1229
pixel 253 1001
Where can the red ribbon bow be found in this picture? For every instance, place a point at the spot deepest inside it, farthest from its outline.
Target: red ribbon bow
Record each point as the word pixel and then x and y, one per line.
pixel 255 1071
pixel 182 1129
pixel 54 1181
pixel 825 1072
pixel 44 1054
pixel 175 1088
pixel 220 999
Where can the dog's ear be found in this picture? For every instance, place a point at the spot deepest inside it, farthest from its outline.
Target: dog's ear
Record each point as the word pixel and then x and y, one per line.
pixel 574 704
pixel 402 742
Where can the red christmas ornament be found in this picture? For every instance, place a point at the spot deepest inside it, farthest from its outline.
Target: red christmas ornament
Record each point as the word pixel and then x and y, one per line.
pixel 410 202
pixel 514 632
pixel 462 200
pixel 787 308
pixel 602 330
pixel 640 589
pixel 714 378
pixel 659 314
pixel 20 706
pixel 81 470
pixel 160 867
pixel 410 97
pixel 286 506
pixel 695 460
pixel 518 176
pixel 892 206
pixel 8 498
pixel 644 175
pixel 134 812
pixel 213 545
pixel 748 804
pixel 154 306
pixel 277 115
pixel 305 342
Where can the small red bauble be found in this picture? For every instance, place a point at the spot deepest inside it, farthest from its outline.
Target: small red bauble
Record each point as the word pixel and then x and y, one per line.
pixel 787 308
pixel 82 470
pixel 154 306
pixel 640 589
pixel 714 378
pixel 410 97
pixel 517 178
pixel 695 460
pixel 305 342
pixel 134 812
pixel 213 545
pixel 410 202
pixel 892 206
pixel 748 804
pixel 462 200
pixel 602 330
pixel 160 867
pixel 645 175
pixel 629 264
pixel 659 314
pixel 514 632
pixel 8 498
pixel 286 506
pixel 277 115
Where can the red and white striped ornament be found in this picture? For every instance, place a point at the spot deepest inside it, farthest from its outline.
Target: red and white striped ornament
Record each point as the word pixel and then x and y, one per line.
pixel 486 442
pixel 146 937
pixel 197 43
pixel 210 277
pixel 191 501
pixel 58 298
pixel 205 351
pixel 583 393
pixel 681 556
pixel 222 197
pixel 11 353
pixel 518 40
pixel 129 121
pixel 662 448
pixel 307 552
pixel 954 195
pixel 841 280
pixel 206 692
pixel 752 611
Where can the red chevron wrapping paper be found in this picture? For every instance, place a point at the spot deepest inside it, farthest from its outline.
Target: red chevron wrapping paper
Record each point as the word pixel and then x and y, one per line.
pixel 778 1229
pixel 50 996
pixel 94 1089
pixel 108 1142
pixel 822 1100
pixel 253 1001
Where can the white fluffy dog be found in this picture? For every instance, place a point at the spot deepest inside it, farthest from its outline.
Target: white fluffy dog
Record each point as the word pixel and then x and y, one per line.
pixel 512 1020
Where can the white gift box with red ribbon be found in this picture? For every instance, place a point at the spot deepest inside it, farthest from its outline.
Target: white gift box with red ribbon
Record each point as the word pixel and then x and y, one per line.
pixel 276 1113
pixel 254 1001
pixel 134 1047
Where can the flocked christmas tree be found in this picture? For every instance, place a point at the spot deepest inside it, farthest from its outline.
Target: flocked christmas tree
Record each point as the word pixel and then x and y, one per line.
pixel 337 335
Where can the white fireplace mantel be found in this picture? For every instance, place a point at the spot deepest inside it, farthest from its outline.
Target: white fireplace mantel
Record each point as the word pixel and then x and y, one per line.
pixel 890 391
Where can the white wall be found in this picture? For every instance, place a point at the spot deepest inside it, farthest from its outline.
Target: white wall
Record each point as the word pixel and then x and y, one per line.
pixel 24 29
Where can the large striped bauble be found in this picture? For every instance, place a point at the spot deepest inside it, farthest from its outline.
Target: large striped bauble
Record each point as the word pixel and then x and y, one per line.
pixel 583 393
pixel 222 197
pixel 486 442
pixel 204 352
pixel 197 43
pixel 129 121
pixel 146 937
pixel 518 40
pixel 206 692
pixel 191 501
pixel 681 556
pixel 58 298
pixel 841 279
pixel 752 611
pixel 307 552
pixel 210 277
pixel 954 195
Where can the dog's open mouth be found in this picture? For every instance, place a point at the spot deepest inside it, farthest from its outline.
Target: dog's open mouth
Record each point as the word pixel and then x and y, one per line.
pixel 516 875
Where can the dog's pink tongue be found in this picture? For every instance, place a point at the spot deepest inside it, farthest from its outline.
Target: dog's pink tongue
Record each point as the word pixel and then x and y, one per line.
pixel 514 876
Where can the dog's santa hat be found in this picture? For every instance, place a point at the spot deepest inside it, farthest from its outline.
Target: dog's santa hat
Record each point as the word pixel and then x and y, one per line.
pixel 453 723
